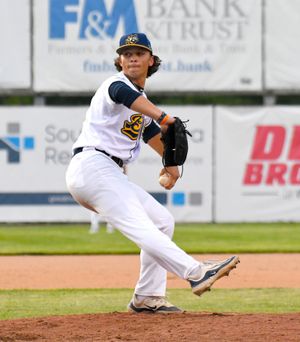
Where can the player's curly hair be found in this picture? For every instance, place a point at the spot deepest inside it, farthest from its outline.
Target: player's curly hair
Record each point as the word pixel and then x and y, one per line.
pixel 151 70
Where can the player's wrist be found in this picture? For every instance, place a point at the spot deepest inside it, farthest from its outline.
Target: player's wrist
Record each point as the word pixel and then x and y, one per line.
pixel 164 119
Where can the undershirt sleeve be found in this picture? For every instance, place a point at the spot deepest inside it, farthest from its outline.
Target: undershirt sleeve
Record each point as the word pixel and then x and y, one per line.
pixel 150 131
pixel 121 93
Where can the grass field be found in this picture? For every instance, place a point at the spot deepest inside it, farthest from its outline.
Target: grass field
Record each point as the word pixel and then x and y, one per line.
pixel 194 238
pixel 38 303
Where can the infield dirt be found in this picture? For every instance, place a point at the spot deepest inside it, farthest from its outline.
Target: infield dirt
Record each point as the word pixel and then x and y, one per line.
pixel 275 270
pixel 204 327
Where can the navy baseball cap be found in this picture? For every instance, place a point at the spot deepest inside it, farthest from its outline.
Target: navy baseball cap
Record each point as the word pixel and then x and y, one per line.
pixel 134 39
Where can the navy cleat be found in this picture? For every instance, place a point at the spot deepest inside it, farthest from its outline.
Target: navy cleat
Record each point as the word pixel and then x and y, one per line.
pixel 152 305
pixel 211 272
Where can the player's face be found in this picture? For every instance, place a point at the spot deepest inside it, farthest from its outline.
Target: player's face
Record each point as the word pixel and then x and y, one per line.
pixel 135 62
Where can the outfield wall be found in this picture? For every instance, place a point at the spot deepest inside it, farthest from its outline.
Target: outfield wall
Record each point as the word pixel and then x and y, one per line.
pixel 243 165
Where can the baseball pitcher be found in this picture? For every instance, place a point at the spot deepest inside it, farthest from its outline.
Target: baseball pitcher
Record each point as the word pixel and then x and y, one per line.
pixel 119 116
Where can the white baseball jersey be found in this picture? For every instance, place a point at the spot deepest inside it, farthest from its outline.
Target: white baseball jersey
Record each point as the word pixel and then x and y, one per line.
pixel 112 127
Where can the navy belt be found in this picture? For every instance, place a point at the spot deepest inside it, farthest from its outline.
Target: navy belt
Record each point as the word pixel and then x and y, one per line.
pixel 115 159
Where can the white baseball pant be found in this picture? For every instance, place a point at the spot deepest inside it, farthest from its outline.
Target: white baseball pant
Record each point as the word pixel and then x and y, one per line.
pixel 97 182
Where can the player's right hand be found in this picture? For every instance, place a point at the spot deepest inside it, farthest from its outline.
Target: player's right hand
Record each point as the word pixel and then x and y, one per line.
pixel 173 175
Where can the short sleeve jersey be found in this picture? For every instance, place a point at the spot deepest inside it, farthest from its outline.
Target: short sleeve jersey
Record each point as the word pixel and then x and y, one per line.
pixel 113 127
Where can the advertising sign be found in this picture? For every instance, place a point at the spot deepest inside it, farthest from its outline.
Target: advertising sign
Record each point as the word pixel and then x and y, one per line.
pixel 204 45
pixel 35 150
pixel 257 164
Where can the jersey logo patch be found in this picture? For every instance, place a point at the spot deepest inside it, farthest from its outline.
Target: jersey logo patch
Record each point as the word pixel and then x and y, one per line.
pixel 132 128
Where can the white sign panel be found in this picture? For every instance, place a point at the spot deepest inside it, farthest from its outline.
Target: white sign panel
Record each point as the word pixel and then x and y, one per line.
pixel 15 44
pixel 191 198
pixel 35 149
pixel 282 47
pixel 257 164
pixel 204 45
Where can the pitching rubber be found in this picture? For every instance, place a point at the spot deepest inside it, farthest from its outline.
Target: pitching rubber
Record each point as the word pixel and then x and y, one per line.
pixel 206 285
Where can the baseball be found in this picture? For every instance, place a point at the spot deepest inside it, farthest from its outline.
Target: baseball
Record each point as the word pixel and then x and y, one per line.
pixel 163 179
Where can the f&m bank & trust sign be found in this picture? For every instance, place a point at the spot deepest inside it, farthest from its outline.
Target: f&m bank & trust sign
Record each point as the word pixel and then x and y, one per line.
pixel 174 26
pixel 100 19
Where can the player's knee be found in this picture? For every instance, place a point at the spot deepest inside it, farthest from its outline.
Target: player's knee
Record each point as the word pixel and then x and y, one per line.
pixel 83 203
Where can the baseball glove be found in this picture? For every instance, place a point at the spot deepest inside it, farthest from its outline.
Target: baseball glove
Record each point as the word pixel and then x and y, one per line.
pixel 175 143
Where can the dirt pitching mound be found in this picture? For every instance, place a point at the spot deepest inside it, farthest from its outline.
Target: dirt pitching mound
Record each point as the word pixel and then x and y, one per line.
pixel 149 327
